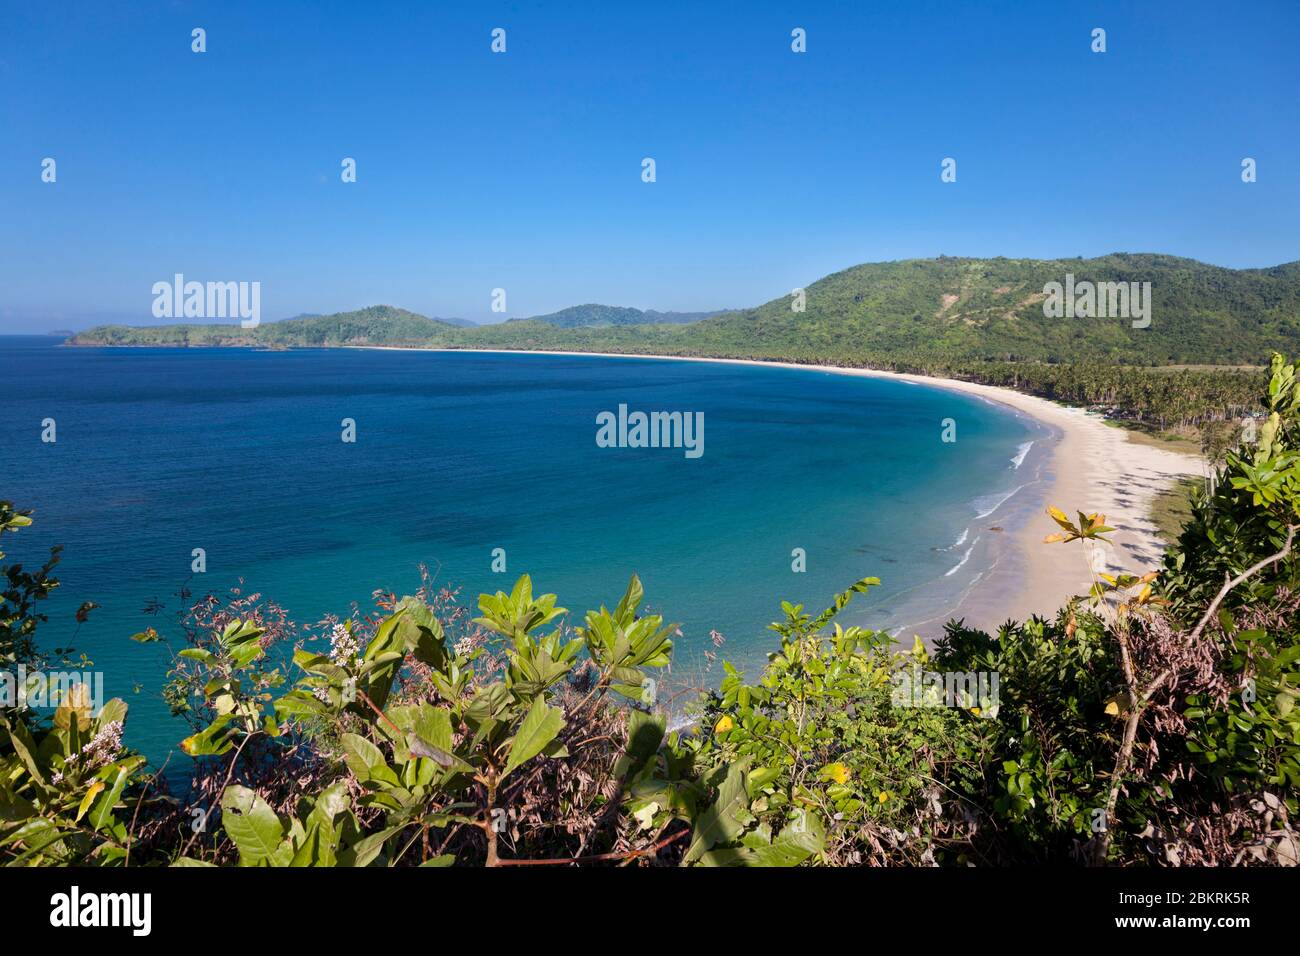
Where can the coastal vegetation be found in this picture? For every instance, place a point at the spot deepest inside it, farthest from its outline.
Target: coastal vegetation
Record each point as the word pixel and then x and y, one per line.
pixel 948 309
pixel 592 314
pixel 1172 508
pixel 1152 721
pixel 981 320
pixel 379 325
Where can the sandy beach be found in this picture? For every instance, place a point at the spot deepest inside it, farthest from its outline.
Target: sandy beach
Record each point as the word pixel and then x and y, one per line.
pixel 1093 468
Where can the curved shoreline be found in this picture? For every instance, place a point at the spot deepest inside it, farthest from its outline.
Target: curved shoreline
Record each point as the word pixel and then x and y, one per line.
pixel 1093 467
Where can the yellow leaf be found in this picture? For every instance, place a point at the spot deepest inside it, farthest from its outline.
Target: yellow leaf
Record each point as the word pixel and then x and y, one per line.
pixel 89 798
pixel 837 772
pixel 1117 704
pixel 76 703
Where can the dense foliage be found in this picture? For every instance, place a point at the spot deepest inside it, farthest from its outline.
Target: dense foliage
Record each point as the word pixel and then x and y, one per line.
pixel 1153 721
pixel 377 325
pixel 958 309
pixel 592 314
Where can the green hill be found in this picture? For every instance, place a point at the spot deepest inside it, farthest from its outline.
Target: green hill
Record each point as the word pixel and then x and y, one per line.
pixel 992 310
pixel 918 311
pixel 593 315
pixel 376 325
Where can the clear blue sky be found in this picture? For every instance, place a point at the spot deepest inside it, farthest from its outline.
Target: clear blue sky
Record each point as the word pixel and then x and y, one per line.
pixel 523 170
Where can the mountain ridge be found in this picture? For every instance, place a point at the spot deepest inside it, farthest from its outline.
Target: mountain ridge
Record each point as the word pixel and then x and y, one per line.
pixel 950 307
pixel 593 314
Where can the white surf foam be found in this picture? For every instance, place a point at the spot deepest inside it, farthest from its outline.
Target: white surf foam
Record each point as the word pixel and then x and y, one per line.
pixel 991 503
pixel 964 558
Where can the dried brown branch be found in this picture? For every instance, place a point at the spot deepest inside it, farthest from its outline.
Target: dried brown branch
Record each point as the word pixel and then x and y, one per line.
pixel 601 857
pixel 1139 697
pixel 1232 583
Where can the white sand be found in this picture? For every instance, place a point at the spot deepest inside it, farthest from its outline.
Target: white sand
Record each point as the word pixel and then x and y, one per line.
pixel 1094 468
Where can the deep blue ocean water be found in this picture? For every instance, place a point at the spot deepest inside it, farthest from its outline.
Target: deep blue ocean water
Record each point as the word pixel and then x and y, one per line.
pixel 238 452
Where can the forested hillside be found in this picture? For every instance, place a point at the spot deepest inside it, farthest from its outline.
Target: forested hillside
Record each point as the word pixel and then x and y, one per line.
pixel 604 315
pixel 992 309
pixel 377 325
pixel 978 319
pixel 919 310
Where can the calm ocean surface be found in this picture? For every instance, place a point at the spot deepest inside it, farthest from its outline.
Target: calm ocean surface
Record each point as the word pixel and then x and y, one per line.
pixel 161 451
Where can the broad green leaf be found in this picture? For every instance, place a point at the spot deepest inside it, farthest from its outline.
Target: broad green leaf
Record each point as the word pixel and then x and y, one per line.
pixel 101 816
pixel 538 729
pixel 796 843
pixel 253 826
pixel 720 823
pixel 364 851
pixel 366 760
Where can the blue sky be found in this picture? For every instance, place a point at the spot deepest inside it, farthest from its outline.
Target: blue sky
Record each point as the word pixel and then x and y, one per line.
pixel 523 170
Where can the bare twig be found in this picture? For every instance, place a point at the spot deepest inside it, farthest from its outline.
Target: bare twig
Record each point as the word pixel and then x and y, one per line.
pixel 1232 583
pixel 379 713
pixel 1139 697
pixel 600 857
pixel 144 792
pixel 234 762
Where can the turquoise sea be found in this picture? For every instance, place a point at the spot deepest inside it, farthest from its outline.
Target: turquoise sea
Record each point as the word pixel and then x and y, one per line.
pixel 239 452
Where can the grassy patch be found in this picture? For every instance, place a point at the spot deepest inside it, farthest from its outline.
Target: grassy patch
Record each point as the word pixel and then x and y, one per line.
pixel 1173 506
pixel 1187 442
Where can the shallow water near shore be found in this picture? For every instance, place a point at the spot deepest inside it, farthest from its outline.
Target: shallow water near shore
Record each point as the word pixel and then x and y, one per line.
pixel 239 452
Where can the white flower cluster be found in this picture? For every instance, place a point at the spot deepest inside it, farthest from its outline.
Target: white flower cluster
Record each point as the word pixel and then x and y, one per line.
pixel 344 646
pixel 101 749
